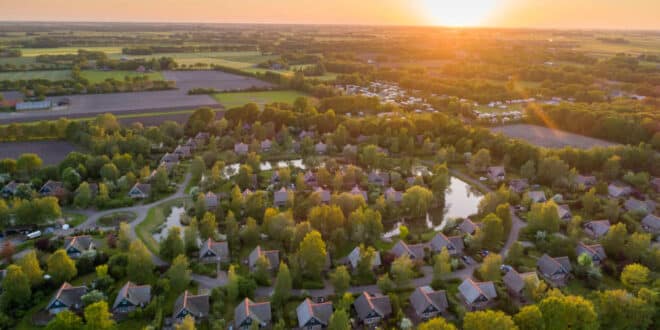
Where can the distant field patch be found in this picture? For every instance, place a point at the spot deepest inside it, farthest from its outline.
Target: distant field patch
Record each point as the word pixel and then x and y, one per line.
pixel 51 152
pixel 231 100
pixel 31 52
pixel 550 138
pixel 45 74
pixel 101 76
pixel 236 60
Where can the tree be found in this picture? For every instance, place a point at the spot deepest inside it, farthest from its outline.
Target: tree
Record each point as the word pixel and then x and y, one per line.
pixel 312 255
pixel 617 309
pixel 528 170
pixel 441 266
pixel 488 320
pixel 83 196
pixel 283 286
pixel 160 180
pixel 261 272
pixel 568 312
pixel 172 245
pixel 551 170
pixel 139 267
pixel 614 240
pixel 634 276
pixel 490 268
pixel 402 271
pixel 7 251
pixel 109 172
pixel 71 178
pixel 385 283
pixel 612 210
pixel 207 226
pixel 491 233
pixel 612 167
pixel 124 236
pixel 545 217
pixel 503 211
pixel 417 200
pixel 326 219
pixel 197 168
pixel 637 245
pixel 480 161
pixel 437 323
pixel 92 297
pixel 65 320
pixel 28 164
pixel 190 237
pixel 60 267
pixel 179 274
pixel 98 317
pixel 515 255
pixel 590 202
pixel 339 320
pixel 31 268
pixel 529 318
pixel 250 232
pixel 16 288
pixel 340 279
pixel 188 324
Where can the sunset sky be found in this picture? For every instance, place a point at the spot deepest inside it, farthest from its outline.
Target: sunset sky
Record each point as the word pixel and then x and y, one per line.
pixel 629 14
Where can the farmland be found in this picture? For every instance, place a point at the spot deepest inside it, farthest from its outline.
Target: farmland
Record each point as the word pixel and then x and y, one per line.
pixel 230 100
pixel 99 76
pixel 32 52
pixel 27 75
pixel 549 138
pixel 51 152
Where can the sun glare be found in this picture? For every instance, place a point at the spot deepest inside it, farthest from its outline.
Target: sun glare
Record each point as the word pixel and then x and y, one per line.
pixel 458 12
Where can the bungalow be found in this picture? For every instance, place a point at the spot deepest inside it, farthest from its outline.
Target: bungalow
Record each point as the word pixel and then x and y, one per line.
pixel 651 224
pixel 321 148
pixel 310 178
pixel 213 252
pixel 428 303
pixel 350 149
pixel 585 181
pixel 496 173
pixel 130 297
pixel 372 308
pixel 454 244
pixel 281 197
pixel 273 257
pixel 304 134
pixel 518 185
pixel 67 298
pixel 618 191
pixel 595 251
pixel 324 195
pixel 140 191
pixel 211 200
pixel 248 312
pixel 183 152
pixel 266 145
pixel 635 205
pixel 537 196
pixel 414 251
pixel 564 212
pixel 312 316
pixel 76 246
pixel 597 228
pixel 515 282
pixel 9 189
pixel 275 177
pixel 555 270
pixel 476 295
pixel 241 148
pixel 655 183
pixel 195 306
pixel 353 258
pixel 170 158
pixel 467 226
pixel 356 191
pixel 393 196
pixel 51 188
pixel 190 144
pixel 202 138
pixel 378 178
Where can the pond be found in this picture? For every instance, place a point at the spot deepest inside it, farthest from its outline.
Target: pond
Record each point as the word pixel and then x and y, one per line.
pixel 174 219
pixel 461 200
pixel 232 169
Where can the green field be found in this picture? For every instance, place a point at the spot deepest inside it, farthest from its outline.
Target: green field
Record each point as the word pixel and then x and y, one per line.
pixel 101 76
pixel 231 100
pixel 31 52
pixel 237 60
pixel 27 75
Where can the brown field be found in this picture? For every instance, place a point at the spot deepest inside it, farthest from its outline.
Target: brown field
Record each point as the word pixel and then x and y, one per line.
pixel 550 138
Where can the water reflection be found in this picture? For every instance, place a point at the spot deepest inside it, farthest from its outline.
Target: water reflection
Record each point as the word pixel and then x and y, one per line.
pixel 174 219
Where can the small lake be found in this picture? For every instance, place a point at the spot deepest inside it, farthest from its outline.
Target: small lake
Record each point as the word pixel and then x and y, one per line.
pixel 174 219
pixel 461 200
pixel 232 169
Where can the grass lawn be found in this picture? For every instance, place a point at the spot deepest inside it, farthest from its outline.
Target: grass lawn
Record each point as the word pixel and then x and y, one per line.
pixel 231 100
pixel 114 219
pixel 74 219
pixel 155 218
pixel 100 76
pixel 27 75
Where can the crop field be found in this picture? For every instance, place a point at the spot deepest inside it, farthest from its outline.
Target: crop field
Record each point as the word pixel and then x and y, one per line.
pixel 237 60
pixel 51 152
pixel 231 100
pixel 185 80
pixel 549 138
pixel 100 76
pixel 45 74
pixel 31 52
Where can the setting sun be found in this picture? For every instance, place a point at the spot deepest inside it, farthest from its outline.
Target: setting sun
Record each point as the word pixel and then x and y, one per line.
pixel 458 13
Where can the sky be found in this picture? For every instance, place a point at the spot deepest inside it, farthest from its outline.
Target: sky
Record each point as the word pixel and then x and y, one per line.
pixel 609 14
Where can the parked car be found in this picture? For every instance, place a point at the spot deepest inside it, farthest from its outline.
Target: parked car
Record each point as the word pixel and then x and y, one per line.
pixel 506 268
pixel 34 234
